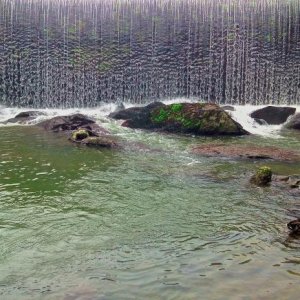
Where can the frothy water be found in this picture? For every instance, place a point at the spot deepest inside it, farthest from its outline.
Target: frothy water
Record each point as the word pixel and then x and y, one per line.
pixel 67 53
pixel 241 114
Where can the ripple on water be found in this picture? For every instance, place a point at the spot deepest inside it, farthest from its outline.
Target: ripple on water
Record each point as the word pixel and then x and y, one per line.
pixel 76 222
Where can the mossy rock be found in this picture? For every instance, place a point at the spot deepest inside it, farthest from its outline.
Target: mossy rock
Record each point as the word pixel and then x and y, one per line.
pixel 192 118
pixel 196 118
pixel 79 135
pixel 262 177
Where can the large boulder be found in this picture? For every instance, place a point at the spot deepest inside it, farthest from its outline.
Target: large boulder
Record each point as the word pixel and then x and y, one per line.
pixel 137 117
pixel 71 123
pixel 25 117
pixel 294 123
pixel 273 115
pixel 194 118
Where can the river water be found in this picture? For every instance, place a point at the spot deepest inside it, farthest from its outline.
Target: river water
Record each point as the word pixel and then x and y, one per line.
pixel 150 221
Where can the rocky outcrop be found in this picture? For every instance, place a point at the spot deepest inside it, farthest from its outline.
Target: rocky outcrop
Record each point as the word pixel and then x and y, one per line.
pixel 294 123
pixel 246 152
pixel 193 118
pixel 25 117
pixel 273 115
pixel 71 123
pixel 88 138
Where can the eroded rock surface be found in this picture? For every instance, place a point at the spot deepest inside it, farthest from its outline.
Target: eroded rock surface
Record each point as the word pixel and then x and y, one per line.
pixel 25 117
pixel 192 118
pixel 294 123
pixel 71 123
pixel 246 152
pixel 273 115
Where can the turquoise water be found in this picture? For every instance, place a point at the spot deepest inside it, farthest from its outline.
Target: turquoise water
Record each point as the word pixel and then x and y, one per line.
pixel 148 221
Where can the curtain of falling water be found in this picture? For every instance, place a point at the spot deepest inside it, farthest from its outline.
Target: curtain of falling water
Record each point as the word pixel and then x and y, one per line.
pixel 75 53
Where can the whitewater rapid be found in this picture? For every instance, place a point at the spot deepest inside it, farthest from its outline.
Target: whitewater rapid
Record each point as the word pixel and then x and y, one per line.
pixel 241 114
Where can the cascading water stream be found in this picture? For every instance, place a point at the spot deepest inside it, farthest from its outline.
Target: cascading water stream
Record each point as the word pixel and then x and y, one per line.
pixel 67 53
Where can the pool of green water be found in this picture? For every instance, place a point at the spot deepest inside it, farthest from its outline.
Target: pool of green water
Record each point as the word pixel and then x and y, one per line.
pixel 149 221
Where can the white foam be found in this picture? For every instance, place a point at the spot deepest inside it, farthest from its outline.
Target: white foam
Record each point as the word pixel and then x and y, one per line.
pixel 241 115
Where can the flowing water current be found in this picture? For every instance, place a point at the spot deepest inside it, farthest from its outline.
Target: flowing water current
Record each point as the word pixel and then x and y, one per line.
pixel 150 221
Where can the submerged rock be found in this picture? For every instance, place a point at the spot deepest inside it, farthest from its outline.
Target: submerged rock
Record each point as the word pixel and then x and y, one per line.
pixel 79 134
pixel 100 142
pixel 262 177
pixel 273 115
pixel 194 118
pixel 246 152
pixel 25 117
pixel 71 123
pixel 294 226
pixel 294 123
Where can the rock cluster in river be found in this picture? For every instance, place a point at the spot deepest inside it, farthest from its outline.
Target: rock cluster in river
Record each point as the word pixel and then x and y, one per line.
pixel 191 118
pixel 81 129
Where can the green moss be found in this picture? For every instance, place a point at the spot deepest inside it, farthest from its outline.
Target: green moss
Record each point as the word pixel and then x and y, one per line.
pixel 193 117
pixel 80 134
pixel 176 107
pixel 263 176
pixel 161 116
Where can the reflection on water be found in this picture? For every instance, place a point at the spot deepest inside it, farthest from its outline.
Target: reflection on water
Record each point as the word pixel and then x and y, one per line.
pixel 77 223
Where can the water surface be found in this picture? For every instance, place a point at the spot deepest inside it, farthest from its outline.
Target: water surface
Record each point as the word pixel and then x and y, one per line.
pixel 151 221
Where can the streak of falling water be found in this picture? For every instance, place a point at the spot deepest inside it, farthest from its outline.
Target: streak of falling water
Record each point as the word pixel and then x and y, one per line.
pixel 75 53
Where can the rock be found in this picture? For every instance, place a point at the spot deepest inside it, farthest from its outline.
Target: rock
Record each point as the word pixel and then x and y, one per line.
pixel 294 123
pixel 273 115
pixel 193 118
pixel 291 182
pixel 71 123
pixel 100 142
pixel 79 135
pixel 246 152
pixel 280 178
pixel 25 117
pixel 262 177
pixel 228 107
pixel 294 226
pixel 137 117
pixel 294 182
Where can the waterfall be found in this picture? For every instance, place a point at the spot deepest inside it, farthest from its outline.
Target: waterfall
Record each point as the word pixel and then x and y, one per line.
pixel 81 53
